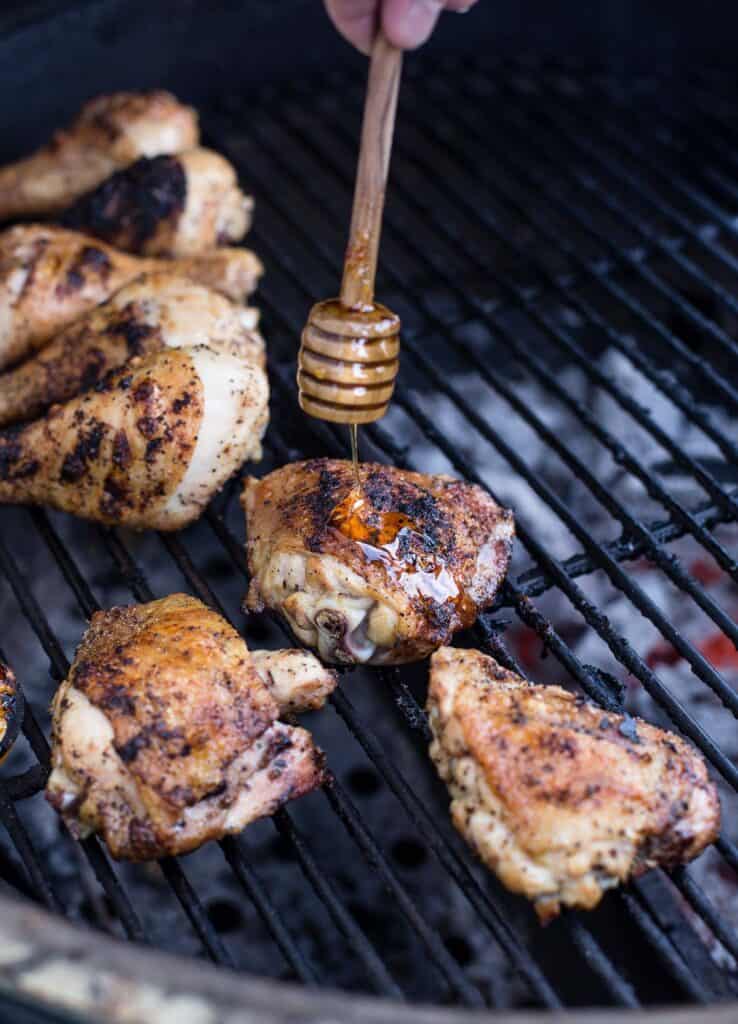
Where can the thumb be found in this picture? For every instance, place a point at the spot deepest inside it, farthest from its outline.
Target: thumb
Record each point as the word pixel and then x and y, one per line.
pixel 408 23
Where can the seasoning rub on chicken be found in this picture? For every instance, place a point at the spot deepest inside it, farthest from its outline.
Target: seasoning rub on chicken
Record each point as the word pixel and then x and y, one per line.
pixel 175 205
pixel 11 710
pixel 157 311
pixel 50 276
pixel 561 799
pixel 149 446
pixel 165 734
pixel 385 578
pixel 109 132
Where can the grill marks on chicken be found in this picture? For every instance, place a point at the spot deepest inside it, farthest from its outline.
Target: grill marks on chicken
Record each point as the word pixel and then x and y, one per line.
pixel 164 735
pixel 109 133
pixel 169 206
pixel 562 800
pixel 158 311
pixel 50 276
pixel 353 601
pixel 149 447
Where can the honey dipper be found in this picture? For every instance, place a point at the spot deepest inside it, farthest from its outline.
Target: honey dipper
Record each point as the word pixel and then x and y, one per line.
pixel 349 353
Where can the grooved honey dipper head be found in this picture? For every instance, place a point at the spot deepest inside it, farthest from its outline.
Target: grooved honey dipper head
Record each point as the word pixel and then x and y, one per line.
pixel 348 362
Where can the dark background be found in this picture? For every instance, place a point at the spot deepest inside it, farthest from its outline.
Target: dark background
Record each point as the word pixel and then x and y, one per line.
pixel 53 55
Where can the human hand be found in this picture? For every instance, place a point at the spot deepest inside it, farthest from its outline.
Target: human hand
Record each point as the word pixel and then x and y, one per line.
pixel 406 23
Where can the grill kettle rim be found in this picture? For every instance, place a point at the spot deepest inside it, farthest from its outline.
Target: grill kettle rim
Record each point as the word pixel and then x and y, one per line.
pixel 109 975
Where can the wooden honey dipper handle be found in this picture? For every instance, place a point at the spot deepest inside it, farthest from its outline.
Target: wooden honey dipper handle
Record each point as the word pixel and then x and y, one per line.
pixel 350 346
pixel 377 130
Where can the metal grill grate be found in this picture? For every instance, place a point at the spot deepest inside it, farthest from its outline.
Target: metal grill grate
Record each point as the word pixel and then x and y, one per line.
pixel 536 223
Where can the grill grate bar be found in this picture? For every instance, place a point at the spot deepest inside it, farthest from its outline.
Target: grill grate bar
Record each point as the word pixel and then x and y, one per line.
pixel 27 852
pixel 236 857
pixel 669 956
pixel 381 979
pixel 709 913
pixel 193 908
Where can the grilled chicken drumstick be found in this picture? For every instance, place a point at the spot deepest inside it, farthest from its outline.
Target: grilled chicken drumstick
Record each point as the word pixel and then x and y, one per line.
pixel 164 734
pixel 156 311
pixel 50 276
pixel 110 132
pixel 166 206
pixel 149 447
pixel 426 553
pixel 561 799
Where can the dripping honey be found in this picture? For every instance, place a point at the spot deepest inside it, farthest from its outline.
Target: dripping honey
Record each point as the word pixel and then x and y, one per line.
pixel 382 537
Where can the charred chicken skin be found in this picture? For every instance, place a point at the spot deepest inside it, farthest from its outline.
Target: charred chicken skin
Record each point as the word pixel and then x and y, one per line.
pixel 170 206
pixel 384 584
pixel 157 311
pixel 50 276
pixel 148 447
pixel 11 710
pixel 165 736
pixel 110 132
pixel 561 799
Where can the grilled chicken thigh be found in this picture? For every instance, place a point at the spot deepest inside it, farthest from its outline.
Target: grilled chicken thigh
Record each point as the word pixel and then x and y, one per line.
pixel 50 276
pixel 149 447
pixel 110 132
pixel 426 554
pixel 156 311
pixel 11 709
pixel 561 799
pixel 166 206
pixel 164 735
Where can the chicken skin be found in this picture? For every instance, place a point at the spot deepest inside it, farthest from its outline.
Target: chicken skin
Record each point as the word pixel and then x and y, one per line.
pixel 157 311
pixel 561 799
pixel 110 132
pixel 50 276
pixel 425 554
pixel 170 206
pixel 148 447
pixel 164 735
pixel 11 710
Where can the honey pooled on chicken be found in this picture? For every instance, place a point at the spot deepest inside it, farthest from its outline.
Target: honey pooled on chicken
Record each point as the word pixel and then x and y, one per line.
pixel 165 732
pixel 561 799
pixel 384 579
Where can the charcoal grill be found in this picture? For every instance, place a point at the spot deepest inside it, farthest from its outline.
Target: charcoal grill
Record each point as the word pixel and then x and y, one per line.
pixel 549 226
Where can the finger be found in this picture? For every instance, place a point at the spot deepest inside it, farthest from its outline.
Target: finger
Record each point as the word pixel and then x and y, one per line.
pixel 408 23
pixel 356 20
pixel 459 6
